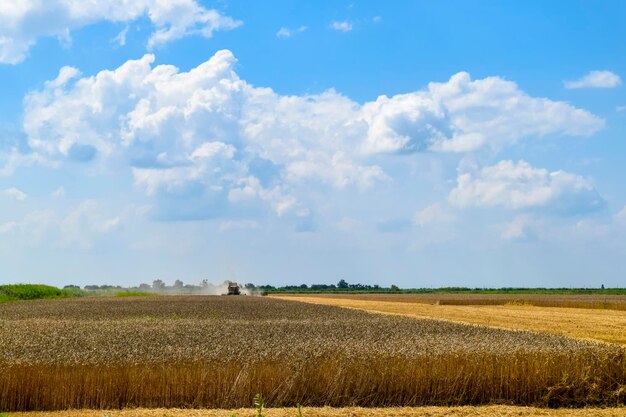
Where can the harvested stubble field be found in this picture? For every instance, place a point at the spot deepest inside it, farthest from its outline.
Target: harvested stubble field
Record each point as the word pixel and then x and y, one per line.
pixel 535 312
pixel 218 352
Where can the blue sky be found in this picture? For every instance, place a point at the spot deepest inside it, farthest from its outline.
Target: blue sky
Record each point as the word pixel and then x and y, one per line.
pixel 411 143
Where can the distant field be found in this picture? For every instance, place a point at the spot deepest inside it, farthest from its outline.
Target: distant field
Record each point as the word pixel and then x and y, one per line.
pixel 433 292
pixel 218 352
pixel 483 411
pixel 555 314
pixel 589 301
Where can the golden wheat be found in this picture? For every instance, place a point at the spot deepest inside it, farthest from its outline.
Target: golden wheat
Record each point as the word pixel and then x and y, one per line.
pixel 600 324
pixel 467 411
pixel 221 351
pixel 586 301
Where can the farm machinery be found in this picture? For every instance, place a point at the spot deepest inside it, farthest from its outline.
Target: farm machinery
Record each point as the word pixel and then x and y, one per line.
pixel 233 289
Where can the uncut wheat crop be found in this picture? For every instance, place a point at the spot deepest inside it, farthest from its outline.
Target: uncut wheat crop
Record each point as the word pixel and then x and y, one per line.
pixel 194 351
pixel 590 301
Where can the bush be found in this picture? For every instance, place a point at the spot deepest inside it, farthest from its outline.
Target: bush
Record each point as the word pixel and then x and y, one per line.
pixel 35 291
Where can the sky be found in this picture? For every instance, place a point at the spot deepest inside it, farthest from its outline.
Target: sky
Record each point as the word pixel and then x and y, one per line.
pixel 414 143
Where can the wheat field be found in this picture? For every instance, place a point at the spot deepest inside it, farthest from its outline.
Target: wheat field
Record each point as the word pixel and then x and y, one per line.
pixel 218 352
pixel 465 411
pixel 586 323
pixel 586 301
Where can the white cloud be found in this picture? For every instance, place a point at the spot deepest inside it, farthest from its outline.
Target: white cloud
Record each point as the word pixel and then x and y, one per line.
pixel 212 149
pixel 58 193
pixel 214 139
pixel 462 115
pixel 210 165
pixel 620 109
pixel 120 39
pixel 595 79
pixel 521 228
pixel 520 186
pixel 15 194
pixel 84 224
pixel 14 158
pixel 180 18
pixel 339 171
pixel 563 231
pixel 284 32
pixel 14 151
pixel 404 123
pixel 341 26
pixel 66 74
pixel 23 22
pixel 204 128
pixel 32 229
pixel 433 214
pixel 7 227
pixel 79 226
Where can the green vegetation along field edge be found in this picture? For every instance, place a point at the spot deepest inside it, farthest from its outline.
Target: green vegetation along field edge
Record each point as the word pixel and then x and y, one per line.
pixel 18 292
pixel 21 292
pixel 343 287
pixel 133 294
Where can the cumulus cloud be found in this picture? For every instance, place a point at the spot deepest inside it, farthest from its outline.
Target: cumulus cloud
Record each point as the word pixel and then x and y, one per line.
pixel 24 21
pixel 212 138
pixel 15 194
pixel 15 152
pixel 519 185
pixel 341 26
pixel 462 115
pixel 338 171
pixel 284 32
pixel 595 79
pixel 199 133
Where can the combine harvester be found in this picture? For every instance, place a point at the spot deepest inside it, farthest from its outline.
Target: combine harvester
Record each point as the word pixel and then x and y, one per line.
pixel 233 289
